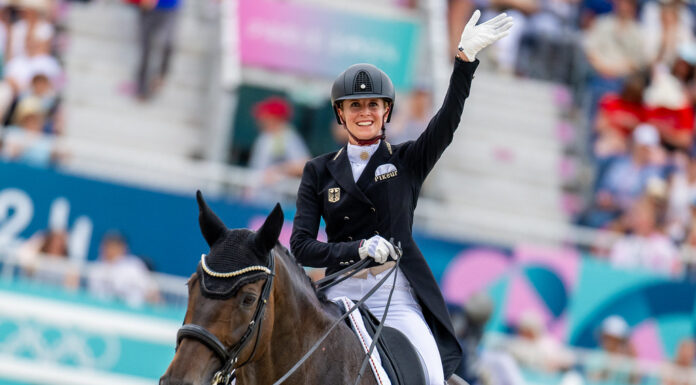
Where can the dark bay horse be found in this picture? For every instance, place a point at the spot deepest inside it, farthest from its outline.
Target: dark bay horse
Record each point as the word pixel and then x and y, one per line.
pixel 226 293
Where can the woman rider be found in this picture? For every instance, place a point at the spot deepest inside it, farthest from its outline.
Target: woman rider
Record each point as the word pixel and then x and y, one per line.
pixel 367 191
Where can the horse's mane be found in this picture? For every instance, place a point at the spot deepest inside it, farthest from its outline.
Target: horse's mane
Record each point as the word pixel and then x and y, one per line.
pixel 301 271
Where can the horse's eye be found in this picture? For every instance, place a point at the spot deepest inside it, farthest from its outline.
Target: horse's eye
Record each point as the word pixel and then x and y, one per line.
pixel 248 300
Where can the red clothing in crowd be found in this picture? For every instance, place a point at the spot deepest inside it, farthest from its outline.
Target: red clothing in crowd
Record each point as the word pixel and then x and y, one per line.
pixel 623 116
pixel 678 120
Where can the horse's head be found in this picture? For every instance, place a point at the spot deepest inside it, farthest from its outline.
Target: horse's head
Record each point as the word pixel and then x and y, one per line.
pixel 228 298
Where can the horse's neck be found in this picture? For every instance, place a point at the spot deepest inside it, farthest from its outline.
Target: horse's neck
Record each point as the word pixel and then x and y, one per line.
pixel 300 319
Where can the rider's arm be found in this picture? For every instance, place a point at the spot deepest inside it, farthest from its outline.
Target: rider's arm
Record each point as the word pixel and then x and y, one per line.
pixel 422 154
pixel 426 150
pixel 303 242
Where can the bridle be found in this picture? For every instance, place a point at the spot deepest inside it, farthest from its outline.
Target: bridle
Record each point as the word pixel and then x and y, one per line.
pixel 229 357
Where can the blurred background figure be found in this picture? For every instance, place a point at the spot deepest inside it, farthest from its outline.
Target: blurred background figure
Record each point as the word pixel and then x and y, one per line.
pixel 535 349
pixel 614 50
pixel 667 25
pixel 618 115
pixel 278 152
pixel 670 110
pixel 45 258
pixel 31 29
pixel 623 179
pixel 21 70
pixel 120 275
pixel 410 121
pixel 469 325
pixel 612 364
pixel 26 140
pixel 646 247
pixel 683 370
pixel 156 33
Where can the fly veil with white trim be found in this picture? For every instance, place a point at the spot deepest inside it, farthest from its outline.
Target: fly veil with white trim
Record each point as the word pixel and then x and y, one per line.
pixel 237 257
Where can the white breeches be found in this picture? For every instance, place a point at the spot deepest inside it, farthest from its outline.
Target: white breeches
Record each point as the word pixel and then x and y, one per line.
pixel 404 315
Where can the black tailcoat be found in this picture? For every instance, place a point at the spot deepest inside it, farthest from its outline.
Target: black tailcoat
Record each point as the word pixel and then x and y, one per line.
pixel 382 204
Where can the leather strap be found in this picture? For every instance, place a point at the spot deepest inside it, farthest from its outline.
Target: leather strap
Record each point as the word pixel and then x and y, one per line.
pixel 207 338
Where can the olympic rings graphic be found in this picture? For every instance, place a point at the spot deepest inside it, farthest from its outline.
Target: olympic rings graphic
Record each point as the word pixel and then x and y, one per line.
pixel 29 338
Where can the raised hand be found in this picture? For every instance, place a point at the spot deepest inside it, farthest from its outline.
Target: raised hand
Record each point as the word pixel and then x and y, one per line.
pixel 477 37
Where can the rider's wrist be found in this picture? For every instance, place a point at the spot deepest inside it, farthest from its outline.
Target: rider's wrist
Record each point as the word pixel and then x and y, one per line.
pixel 462 56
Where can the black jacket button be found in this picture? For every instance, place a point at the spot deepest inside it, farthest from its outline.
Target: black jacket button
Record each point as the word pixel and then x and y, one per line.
pixel 350 238
pixel 376 232
pixel 346 218
pixel 374 210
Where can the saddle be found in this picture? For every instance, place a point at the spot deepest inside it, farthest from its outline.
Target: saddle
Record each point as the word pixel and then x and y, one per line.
pixel 400 359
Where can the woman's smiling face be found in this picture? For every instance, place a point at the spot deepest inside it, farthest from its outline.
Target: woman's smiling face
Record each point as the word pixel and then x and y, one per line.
pixel 364 118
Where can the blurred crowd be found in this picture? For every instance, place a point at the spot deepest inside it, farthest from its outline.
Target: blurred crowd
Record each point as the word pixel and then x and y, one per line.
pixel 31 80
pixel 638 101
pixel 532 354
pixel 116 275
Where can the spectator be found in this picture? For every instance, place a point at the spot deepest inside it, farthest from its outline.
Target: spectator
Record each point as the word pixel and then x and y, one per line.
pixel 26 141
pixel 279 152
pixel 664 34
pixel 684 69
pixel 669 110
pixel 613 44
pixel 120 275
pixel 548 43
pixel 31 27
pixel 157 24
pixel 505 52
pixel 42 89
pixel 22 69
pixel 646 247
pixel 625 178
pixel 408 123
pixel 618 115
pixel 614 49
pixel 469 325
pixel 44 257
pixel 682 194
pixel 535 349
pixel 688 252
pixel 612 364
pixel 5 23
pixel 682 372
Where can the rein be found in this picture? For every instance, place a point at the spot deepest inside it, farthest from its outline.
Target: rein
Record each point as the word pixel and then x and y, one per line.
pixel 347 314
pixel 229 357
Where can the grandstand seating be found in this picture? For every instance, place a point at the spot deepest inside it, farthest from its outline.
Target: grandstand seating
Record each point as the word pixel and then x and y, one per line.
pixel 100 64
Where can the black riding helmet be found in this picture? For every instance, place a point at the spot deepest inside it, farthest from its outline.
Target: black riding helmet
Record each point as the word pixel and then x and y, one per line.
pixel 362 81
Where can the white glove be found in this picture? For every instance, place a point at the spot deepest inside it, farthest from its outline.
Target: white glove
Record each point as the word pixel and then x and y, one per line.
pixel 378 248
pixel 477 37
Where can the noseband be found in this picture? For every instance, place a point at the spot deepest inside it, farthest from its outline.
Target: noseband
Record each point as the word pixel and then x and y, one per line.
pixel 229 357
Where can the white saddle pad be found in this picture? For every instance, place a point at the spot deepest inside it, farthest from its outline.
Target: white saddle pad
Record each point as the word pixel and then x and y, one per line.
pixel 365 340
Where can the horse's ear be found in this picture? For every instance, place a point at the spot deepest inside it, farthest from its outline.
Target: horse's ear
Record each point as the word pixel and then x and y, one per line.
pixel 267 235
pixel 212 227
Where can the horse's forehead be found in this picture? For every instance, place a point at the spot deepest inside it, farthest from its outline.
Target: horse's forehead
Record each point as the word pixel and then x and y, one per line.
pixel 224 270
